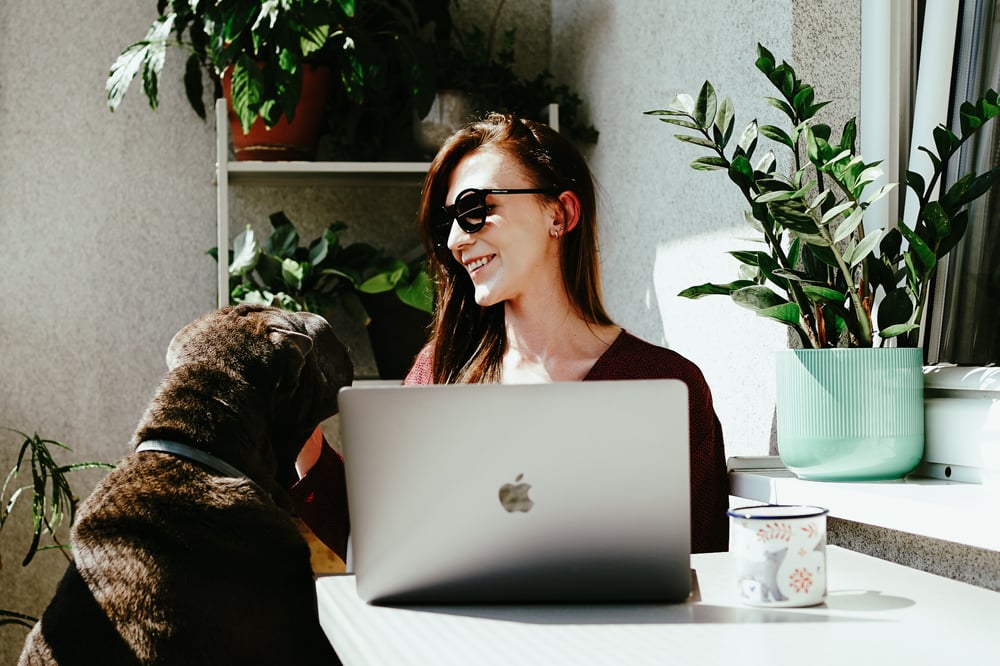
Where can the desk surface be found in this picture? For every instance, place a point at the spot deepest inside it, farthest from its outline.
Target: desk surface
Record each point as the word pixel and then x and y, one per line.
pixel 876 613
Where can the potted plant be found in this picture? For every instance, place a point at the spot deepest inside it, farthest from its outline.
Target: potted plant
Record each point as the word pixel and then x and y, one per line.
pixel 843 290
pixel 52 502
pixel 473 74
pixel 264 56
pixel 391 297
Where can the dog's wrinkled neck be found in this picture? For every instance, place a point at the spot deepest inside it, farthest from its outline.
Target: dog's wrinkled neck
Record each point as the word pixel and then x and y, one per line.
pixel 200 457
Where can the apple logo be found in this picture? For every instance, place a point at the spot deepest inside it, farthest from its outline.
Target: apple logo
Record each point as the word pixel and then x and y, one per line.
pixel 514 496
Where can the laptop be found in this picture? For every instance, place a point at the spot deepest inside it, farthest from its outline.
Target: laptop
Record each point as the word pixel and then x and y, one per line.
pixel 518 493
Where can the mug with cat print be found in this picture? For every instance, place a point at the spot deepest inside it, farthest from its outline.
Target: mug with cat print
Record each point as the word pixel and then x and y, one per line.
pixel 779 554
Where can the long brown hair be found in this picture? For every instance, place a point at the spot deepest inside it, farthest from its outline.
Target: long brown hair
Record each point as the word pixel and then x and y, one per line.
pixel 468 340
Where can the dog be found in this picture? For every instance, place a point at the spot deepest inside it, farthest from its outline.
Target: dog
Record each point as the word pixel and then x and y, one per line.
pixel 193 557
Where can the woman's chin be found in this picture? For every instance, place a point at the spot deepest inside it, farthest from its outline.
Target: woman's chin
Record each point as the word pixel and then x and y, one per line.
pixel 485 297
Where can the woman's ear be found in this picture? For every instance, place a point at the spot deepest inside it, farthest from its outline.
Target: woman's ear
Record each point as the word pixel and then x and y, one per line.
pixel 571 209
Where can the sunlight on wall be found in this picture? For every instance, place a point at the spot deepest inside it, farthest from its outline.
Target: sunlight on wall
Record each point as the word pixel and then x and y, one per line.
pixel 734 347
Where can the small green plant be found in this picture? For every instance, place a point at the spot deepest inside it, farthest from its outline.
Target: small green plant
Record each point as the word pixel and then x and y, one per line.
pixel 322 277
pixel 52 501
pixel 267 45
pixel 820 271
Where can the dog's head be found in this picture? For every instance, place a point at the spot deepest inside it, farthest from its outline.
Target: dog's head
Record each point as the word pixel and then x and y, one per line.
pixel 293 359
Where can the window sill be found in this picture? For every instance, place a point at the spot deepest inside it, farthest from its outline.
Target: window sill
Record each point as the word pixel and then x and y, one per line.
pixel 962 513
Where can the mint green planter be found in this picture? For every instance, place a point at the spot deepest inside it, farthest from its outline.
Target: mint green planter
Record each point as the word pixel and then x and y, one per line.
pixel 850 414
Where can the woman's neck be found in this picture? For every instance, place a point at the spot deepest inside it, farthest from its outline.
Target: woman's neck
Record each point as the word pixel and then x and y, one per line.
pixel 551 343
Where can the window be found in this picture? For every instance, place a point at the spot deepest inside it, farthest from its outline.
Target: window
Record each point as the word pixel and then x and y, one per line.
pixel 963 326
pixel 905 67
pixel 911 53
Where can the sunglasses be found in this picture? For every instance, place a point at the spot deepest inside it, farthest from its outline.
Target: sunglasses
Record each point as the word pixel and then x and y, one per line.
pixel 470 211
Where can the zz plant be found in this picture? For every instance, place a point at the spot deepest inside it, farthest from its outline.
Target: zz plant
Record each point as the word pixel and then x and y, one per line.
pixel 820 272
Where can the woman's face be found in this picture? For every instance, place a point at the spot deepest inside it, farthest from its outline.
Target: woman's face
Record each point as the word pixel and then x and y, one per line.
pixel 513 255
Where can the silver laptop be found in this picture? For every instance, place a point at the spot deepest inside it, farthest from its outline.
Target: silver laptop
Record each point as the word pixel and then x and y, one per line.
pixel 562 492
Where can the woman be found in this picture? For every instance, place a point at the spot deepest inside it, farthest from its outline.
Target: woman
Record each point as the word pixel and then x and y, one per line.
pixel 508 218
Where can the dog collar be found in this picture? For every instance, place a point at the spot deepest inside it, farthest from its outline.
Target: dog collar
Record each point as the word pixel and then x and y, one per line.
pixel 198 456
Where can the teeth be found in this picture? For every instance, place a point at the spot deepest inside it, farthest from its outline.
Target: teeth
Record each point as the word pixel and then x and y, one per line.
pixel 478 263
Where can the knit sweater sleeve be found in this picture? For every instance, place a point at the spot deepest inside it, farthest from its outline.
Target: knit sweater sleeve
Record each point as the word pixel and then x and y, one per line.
pixel 632 358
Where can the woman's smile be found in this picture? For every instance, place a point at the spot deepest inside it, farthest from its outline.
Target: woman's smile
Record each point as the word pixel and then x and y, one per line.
pixel 474 265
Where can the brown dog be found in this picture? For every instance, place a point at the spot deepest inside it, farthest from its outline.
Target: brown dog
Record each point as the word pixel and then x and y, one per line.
pixel 179 558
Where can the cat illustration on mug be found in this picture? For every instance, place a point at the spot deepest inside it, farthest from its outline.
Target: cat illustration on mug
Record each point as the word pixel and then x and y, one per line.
pixel 758 579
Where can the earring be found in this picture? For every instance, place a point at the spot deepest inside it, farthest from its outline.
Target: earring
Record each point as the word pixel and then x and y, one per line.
pixel 556 232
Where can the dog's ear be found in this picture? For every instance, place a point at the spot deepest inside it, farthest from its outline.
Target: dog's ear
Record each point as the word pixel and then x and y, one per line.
pixel 174 348
pixel 300 342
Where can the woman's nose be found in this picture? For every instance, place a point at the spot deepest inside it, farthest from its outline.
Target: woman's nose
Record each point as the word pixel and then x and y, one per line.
pixel 458 237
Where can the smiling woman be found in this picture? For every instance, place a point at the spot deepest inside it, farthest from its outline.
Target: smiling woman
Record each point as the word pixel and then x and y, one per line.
pixel 518 295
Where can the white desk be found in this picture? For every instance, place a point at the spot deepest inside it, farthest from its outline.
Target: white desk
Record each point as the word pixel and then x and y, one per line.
pixel 876 613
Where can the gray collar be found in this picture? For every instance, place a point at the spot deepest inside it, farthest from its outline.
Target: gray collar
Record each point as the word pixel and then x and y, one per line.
pixel 198 456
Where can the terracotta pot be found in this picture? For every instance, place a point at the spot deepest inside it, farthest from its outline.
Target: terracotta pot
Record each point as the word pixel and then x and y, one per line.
pixel 285 141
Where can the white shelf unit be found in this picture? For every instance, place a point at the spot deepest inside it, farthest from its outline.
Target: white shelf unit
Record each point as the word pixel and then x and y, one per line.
pixel 298 174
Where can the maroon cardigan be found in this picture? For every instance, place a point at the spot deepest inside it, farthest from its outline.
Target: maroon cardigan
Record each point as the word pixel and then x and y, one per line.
pixel 321 496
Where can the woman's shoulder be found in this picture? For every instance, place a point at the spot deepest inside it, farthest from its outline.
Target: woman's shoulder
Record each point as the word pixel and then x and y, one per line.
pixel 630 357
pixel 421 370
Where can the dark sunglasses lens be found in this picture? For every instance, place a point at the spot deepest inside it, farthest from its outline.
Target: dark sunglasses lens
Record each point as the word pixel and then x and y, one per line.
pixel 470 211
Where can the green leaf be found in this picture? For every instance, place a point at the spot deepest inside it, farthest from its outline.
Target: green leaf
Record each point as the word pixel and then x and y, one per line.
pixel 747 142
pixel 945 141
pixel 757 297
pixel 820 294
pixel 780 104
pixel 318 251
pixel 958 225
pixel 935 160
pixel 387 279
pixel 788 314
pixel 709 163
pixel 247 90
pixel 918 248
pixel 725 119
pixel 896 308
pixel 767 163
pixel 936 220
pixel 282 242
pixel 246 252
pixel 664 112
pixel 684 103
pixel 866 247
pixel 897 330
pixel 147 55
pixel 681 122
pixel 705 106
pixel 709 289
pixel 193 88
pixel 741 172
pixel 970 187
pixel 294 273
pixel 697 140
pixel 848 226
pixel 833 212
pixel 775 195
pixel 419 293
pixel 915 182
pixel 777 134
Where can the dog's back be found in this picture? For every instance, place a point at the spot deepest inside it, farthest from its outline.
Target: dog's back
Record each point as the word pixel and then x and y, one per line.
pixel 174 563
